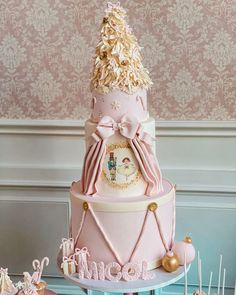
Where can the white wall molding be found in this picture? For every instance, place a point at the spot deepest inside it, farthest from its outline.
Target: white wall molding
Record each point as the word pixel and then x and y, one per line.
pixel 208 180
pixel 34 194
pixel 163 128
pixel 42 127
pixel 197 201
pixel 185 199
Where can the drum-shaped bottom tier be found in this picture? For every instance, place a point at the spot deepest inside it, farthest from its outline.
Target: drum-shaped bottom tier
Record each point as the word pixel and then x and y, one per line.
pixel 124 230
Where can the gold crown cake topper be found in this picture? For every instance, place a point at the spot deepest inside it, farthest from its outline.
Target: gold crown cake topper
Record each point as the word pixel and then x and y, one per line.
pixel 118 62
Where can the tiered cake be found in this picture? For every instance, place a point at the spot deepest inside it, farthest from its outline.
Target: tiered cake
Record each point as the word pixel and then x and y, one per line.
pixel 122 211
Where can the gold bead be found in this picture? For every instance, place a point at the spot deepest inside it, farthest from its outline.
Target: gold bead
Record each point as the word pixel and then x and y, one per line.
pixel 152 207
pixel 85 206
pixel 103 55
pixel 188 240
pixel 170 262
pixel 41 286
pixel 105 20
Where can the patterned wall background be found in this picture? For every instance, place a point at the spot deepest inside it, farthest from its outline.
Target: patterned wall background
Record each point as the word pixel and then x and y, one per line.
pixel 189 47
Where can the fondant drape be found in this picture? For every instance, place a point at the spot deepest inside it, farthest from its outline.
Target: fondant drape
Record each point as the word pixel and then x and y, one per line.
pixel 139 141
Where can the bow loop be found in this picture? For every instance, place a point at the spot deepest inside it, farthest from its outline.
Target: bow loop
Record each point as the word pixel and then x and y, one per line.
pixel 67 259
pixel 66 240
pixel 83 250
pixel 128 127
pixel 105 127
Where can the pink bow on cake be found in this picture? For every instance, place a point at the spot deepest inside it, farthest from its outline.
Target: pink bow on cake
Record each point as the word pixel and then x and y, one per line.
pixel 140 142
pixel 129 127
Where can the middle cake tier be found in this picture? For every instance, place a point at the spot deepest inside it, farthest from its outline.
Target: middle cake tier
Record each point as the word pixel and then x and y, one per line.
pixel 121 174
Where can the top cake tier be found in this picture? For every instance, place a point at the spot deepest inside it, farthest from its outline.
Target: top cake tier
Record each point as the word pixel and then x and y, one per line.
pixel 117 103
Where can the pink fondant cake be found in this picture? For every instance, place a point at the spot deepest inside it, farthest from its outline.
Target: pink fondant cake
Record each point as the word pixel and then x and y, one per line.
pixel 122 211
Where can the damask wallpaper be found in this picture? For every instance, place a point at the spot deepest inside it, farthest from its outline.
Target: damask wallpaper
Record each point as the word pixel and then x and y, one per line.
pixel 189 47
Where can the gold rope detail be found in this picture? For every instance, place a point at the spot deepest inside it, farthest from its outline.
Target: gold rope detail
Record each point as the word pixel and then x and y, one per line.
pixel 113 146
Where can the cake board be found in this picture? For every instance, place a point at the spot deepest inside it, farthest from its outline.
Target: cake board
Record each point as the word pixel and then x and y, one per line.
pixel 49 292
pixel 154 286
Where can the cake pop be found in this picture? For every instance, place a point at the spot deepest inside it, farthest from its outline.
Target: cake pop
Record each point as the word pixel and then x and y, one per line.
pixel 185 247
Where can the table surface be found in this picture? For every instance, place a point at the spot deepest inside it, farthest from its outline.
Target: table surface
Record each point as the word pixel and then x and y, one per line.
pixel 162 279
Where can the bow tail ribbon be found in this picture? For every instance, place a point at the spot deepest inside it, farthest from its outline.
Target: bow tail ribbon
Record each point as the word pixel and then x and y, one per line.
pixel 93 165
pixel 155 168
pixel 141 146
pixel 95 155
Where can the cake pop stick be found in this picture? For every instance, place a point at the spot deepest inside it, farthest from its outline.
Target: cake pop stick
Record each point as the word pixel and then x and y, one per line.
pixel 198 268
pixel 185 276
pixel 209 286
pixel 199 290
pixel 223 285
pixel 199 265
pixel 200 276
pixel 219 275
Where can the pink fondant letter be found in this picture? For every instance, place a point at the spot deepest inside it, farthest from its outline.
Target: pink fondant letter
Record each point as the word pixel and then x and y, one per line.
pixel 92 271
pixel 112 272
pixel 101 271
pixel 131 271
pixel 146 275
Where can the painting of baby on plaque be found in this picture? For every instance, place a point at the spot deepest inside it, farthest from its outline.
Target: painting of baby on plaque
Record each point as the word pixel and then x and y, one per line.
pixel 127 168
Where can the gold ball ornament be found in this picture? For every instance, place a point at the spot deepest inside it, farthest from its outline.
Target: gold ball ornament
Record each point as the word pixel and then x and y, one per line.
pixel 188 240
pixel 41 287
pixel 152 207
pixel 103 55
pixel 105 20
pixel 184 250
pixel 170 262
pixel 85 206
